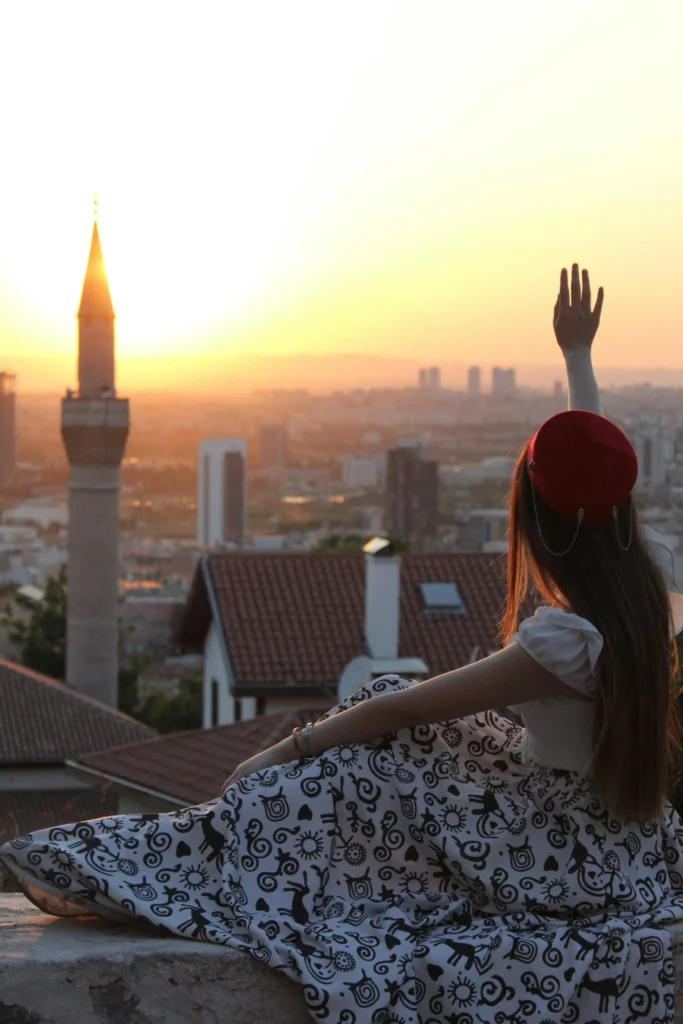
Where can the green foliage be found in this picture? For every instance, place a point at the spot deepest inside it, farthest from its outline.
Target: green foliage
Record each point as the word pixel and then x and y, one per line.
pixel 337 542
pixel 173 714
pixel 39 630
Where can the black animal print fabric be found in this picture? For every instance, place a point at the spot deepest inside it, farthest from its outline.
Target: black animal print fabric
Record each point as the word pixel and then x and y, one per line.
pixel 431 878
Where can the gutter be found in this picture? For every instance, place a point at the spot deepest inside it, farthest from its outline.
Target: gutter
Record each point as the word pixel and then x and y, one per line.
pixel 126 783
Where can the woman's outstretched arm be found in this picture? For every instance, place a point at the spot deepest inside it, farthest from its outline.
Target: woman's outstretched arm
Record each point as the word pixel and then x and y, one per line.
pixel 576 325
pixel 510 676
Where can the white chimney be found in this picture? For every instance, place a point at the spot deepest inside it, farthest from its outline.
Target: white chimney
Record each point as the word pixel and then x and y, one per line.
pixel 382 598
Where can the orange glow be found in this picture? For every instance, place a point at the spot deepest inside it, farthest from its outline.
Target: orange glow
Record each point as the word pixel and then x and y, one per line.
pixel 386 178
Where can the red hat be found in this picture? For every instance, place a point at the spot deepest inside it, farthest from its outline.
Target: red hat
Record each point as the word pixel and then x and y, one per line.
pixel 579 460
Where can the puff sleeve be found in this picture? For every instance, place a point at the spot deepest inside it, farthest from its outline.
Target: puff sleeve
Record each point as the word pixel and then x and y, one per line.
pixel 565 644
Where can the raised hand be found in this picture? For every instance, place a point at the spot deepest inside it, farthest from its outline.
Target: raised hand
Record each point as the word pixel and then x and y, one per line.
pixel 574 322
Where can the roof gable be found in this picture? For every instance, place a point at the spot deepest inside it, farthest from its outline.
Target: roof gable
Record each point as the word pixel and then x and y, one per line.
pixel 297 619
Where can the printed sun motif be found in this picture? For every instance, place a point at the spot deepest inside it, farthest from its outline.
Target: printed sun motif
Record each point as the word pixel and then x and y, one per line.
pixel 453 817
pixel 495 783
pixel 127 866
pixel 355 854
pixel 343 961
pixel 555 890
pixel 110 824
pixel 346 755
pixel 62 858
pixel 195 878
pixel 309 845
pixel 462 992
pixel 404 774
pixel 611 862
pixel 452 736
pixel 414 883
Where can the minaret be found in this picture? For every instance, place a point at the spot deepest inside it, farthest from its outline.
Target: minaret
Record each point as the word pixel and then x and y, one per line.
pixel 94 429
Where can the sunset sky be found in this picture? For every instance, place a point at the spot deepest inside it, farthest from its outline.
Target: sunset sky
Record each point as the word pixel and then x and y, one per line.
pixel 282 177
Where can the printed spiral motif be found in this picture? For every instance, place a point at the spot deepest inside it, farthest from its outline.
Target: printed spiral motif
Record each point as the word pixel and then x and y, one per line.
pixel 430 878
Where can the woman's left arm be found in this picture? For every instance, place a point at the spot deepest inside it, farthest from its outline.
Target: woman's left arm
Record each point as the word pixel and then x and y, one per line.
pixel 508 677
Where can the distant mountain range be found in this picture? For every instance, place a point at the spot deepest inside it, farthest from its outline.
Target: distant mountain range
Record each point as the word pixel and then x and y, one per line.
pixel 317 373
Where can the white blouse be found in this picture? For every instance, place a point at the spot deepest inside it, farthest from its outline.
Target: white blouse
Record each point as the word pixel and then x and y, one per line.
pixel 559 730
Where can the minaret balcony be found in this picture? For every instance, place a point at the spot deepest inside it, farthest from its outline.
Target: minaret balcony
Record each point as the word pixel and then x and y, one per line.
pixel 95 430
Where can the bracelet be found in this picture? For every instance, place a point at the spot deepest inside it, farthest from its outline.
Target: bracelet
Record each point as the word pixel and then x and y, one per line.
pixel 306 741
pixel 295 739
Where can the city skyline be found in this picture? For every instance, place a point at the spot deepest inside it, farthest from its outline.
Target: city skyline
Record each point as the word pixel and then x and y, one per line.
pixel 409 190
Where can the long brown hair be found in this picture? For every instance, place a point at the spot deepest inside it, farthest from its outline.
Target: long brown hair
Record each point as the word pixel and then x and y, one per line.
pixel 622 593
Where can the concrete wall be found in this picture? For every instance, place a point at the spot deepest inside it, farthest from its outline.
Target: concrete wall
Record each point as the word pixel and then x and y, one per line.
pixel 86 971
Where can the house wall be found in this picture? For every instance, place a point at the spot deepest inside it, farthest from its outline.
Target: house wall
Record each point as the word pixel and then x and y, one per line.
pixel 216 677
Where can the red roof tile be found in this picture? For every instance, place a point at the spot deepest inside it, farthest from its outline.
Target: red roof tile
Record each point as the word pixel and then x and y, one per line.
pixel 43 721
pixel 292 618
pixel 192 766
pixel 23 811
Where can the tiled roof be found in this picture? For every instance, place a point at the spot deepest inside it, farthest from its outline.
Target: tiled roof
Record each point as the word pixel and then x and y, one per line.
pixel 297 619
pixel 23 811
pixel 192 766
pixel 43 721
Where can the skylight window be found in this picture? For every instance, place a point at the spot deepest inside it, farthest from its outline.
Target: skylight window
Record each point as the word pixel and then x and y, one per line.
pixel 442 597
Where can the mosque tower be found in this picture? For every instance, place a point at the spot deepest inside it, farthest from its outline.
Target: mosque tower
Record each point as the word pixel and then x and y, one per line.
pixel 95 426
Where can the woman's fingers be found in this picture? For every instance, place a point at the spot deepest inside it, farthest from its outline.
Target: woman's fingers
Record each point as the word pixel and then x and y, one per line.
pixel 576 286
pixel 586 291
pixel 598 305
pixel 556 310
pixel 564 290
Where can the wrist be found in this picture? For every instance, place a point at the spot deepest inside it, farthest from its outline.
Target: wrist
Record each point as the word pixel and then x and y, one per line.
pixel 580 356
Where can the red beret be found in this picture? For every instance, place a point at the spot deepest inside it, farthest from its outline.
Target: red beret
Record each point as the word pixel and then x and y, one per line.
pixel 578 459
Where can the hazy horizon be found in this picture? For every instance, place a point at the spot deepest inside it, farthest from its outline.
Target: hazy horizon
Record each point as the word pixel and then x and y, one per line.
pixel 318 374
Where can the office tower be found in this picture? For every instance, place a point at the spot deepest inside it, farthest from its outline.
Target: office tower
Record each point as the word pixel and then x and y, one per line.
pixel 503 381
pixel 412 494
pixel 95 426
pixel 423 379
pixel 273 446
pixel 655 448
pixel 8 435
pixel 474 382
pixel 221 491
pixel 434 378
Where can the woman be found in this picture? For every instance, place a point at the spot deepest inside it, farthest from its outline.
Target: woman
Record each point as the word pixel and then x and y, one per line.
pixel 460 868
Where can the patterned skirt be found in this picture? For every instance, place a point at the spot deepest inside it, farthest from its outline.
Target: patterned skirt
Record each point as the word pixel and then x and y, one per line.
pixel 430 877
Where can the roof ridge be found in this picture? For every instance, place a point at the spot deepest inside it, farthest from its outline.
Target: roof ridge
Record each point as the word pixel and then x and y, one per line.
pixel 59 684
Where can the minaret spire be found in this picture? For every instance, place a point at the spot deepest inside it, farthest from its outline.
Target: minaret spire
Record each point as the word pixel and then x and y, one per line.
pixel 96 369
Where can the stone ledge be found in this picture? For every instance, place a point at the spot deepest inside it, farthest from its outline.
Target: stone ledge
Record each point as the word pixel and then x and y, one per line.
pixel 87 971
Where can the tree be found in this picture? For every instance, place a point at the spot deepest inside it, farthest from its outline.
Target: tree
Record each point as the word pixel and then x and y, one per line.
pixel 39 629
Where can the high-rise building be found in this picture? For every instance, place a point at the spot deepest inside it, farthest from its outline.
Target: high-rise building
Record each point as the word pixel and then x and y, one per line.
pixel 221 491
pixel 95 426
pixel 655 449
pixel 434 378
pixel 411 510
pixel 503 381
pixel 8 436
pixel 474 382
pixel 273 447
pixel 423 379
